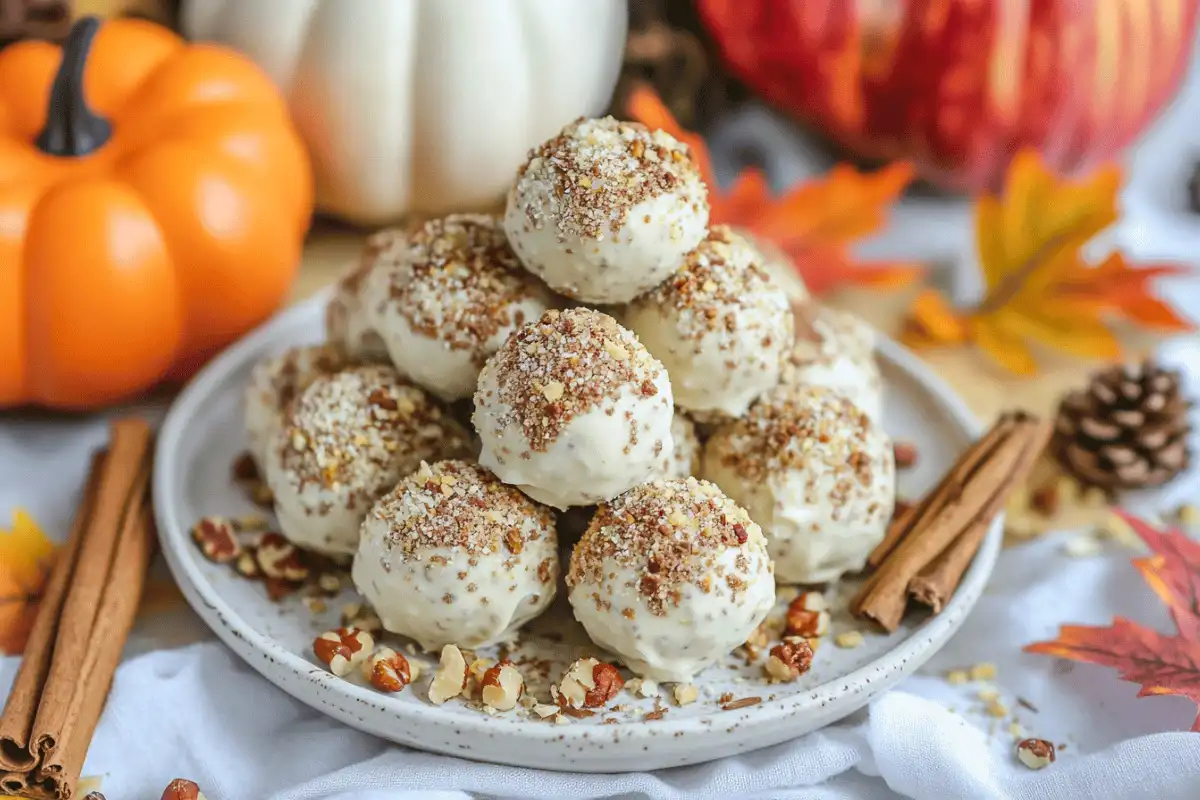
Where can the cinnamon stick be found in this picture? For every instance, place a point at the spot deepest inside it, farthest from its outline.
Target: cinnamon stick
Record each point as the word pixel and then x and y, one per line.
pixel 82 626
pixel 950 485
pixel 126 474
pixel 998 462
pixel 122 596
pixel 16 724
pixel 936 583
pixel 979 498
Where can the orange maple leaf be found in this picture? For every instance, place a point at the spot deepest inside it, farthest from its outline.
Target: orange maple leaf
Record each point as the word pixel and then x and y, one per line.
pixel 814 223
pixel 1162 664
pixel 26 556
pixel 1039 286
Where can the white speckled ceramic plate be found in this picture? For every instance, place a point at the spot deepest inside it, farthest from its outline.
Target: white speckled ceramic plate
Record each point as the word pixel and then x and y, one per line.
pixel 203 434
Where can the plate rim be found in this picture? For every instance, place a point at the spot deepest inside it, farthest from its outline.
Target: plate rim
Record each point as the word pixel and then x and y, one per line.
pixel 235 632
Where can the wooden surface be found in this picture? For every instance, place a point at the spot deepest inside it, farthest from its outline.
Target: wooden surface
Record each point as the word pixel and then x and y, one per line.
pixel 986 390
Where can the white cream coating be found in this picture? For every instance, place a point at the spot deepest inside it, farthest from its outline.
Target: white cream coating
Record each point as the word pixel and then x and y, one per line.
pixel 465 563
pixel 346 324
pixel 671 631
pixel 606 210
pixel 348 438
pixel 274 383
pixel 612 413
pixel 448 299
pixel 720 325
pixel 815 472
pixel 778 263
pixel 684 460
pixel 836 350
pixel 592 459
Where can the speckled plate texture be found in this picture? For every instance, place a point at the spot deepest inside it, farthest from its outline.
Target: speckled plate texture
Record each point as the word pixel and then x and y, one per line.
pixel 202 436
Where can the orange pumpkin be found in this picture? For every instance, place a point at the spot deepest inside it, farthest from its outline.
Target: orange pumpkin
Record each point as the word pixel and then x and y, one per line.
pixel 154 198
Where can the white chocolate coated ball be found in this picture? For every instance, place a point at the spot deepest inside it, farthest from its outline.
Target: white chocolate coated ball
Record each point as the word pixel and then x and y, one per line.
pixel 684 461
pixel 606 210
pixel 671 576
pixel 274 383
pixel 449 298
pixel 348 438
pixel 720 326
pixel 346 324
pixel 454 556
pixel 573 410
pixel 836 350
pixel 815 472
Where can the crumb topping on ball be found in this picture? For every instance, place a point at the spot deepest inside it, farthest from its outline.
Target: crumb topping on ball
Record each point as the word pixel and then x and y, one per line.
pixel 796 428
pixel 385 247
pixel 351 281
pixel 721 280
pixel 288 375
pixel 459 280
pixel 823 334
pixel 347 427
pixel 459 504
pixel 564 365
pixel 600 169
pixel 671 534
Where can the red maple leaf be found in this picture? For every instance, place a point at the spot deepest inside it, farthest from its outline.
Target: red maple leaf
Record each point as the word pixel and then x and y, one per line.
pixel 814 223
pixel 1162 664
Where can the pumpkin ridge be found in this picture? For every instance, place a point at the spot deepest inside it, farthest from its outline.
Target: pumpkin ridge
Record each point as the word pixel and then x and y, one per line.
pixel 262 231
pixel 128 266
pixel 82 323
pixel 151 44
pixel 164 129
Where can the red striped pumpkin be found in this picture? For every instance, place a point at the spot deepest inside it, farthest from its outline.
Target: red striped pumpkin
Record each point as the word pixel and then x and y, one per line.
pixel 959 86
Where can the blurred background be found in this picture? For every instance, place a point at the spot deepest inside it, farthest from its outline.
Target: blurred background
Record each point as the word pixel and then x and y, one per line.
pixel 794 87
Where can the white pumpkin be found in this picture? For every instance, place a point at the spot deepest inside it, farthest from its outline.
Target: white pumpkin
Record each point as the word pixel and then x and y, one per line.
pixel 423 105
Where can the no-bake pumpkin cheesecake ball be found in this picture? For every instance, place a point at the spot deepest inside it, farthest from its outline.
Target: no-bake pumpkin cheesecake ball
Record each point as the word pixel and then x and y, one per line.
pixel 606 210
pixel 274 383
pixel 347 439
pixel 671 576
pixel 449 299
pixel 720 326
pixel 573 410
pixel 346 324
pixel 454 556
pixel 815 472
pixel 836 350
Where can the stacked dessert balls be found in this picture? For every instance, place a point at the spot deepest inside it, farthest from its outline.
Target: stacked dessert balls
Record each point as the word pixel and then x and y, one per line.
pixel 590 328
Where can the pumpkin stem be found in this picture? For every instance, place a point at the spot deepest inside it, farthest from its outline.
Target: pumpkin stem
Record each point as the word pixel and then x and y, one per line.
pixel 72 129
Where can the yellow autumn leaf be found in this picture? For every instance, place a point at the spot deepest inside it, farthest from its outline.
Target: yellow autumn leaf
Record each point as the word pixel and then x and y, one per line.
pixel 1039 217
pixel 1071 333
pixel 1039 287
pixel 1006 349
pixel 931 321
pixel 26 556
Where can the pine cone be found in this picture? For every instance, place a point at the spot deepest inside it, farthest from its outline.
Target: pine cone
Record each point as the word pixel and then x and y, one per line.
pixel 1128 430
